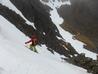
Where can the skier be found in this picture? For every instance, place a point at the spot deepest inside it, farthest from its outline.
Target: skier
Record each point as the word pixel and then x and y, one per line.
pixel 34 42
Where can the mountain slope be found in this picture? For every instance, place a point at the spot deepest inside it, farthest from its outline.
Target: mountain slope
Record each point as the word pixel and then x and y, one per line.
pixel 17 59
pixel 81 19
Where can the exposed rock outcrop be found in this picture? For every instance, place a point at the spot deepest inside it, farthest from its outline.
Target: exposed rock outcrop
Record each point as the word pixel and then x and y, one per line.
pixel 81 19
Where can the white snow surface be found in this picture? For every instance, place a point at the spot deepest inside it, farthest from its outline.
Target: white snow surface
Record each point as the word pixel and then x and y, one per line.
pixel 15 58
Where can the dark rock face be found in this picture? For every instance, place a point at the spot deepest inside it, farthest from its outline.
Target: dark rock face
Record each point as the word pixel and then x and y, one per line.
pixel 87 63
pixel 27 7
pixel 15 19
pixel 34 11
pixel 81 19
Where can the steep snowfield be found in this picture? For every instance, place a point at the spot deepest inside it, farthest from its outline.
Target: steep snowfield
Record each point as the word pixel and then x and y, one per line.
pixel 15 58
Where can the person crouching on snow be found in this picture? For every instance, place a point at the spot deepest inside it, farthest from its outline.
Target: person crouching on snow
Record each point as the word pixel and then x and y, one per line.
pixel 34 42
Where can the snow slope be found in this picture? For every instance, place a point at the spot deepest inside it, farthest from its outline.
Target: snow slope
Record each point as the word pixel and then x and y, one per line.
pixel 15 58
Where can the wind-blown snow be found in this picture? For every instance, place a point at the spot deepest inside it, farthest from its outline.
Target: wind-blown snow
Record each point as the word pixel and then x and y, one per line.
pixel 15 58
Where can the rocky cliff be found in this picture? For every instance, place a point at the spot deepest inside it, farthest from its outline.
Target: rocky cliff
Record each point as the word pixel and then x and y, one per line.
pixel 81 19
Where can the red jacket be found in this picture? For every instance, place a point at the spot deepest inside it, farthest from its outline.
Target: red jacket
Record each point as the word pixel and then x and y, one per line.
pixel 33 40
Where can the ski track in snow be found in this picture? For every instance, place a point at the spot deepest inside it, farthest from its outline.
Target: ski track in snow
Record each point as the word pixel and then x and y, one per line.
pixel 15 58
